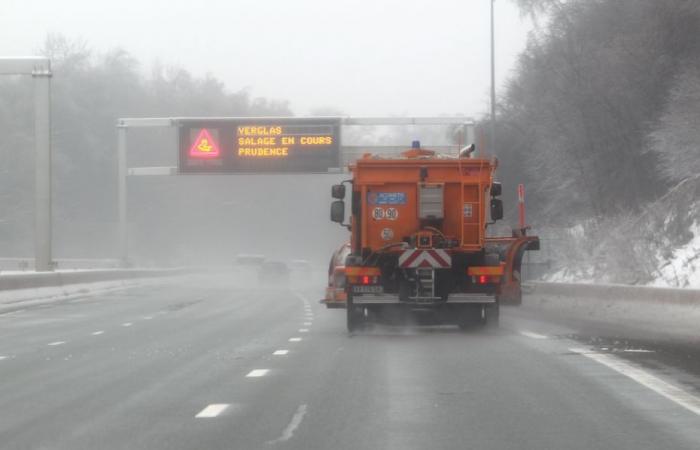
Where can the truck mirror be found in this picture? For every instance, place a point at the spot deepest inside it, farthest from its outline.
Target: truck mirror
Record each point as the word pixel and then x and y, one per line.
pixel 496 189
pixel 338 211
pixel 338 191
pixel 496 209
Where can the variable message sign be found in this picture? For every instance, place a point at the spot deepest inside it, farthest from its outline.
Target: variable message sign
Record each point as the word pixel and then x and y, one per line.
pixel 259 145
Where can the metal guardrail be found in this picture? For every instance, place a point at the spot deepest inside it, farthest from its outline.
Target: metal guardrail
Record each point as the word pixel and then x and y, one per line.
pixel 33 280
pixel 26 264
pixel 619 293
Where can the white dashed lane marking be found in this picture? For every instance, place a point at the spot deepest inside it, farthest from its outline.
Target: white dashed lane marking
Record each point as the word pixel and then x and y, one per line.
pixel 212 410
pixel 532 335
pixel 3 357
pixel 293 425
pixel 303 330
pixel 306 324
pixel 97 333
pixel 127 324
pixel 671 392
pixel 53 344
pixel 280 352
pixel 256 373
pixel 295 339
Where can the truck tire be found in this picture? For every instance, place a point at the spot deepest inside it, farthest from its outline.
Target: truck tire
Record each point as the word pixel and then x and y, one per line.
pixel 493 314
pixel 352 317
pixel 487 316
pixel 469 318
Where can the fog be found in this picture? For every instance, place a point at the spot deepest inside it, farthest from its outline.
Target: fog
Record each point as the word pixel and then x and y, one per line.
pixel 361 57
pixel 304 57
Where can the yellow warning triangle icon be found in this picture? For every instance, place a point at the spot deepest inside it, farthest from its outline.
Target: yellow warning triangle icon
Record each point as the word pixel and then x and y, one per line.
pixel 204 146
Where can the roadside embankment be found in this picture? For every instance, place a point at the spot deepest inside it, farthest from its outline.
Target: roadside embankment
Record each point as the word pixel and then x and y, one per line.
pixel 630 311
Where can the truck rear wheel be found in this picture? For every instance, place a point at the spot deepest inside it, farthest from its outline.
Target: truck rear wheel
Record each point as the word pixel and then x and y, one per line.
pixel 469 317
pixel 482 316
pixel 493 315
pixel 352 316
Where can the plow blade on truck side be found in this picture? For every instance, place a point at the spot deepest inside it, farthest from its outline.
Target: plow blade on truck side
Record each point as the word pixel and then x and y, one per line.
pixel 512 250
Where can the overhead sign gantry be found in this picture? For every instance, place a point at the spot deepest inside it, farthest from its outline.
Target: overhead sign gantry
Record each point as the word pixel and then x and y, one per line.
pixel 39 68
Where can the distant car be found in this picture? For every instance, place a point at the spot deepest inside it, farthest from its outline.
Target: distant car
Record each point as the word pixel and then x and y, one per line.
pixel 246 268
pixel 249 260
pixel 273 273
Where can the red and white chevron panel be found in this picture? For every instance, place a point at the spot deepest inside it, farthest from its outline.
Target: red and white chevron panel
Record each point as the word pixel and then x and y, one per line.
pixel 435 258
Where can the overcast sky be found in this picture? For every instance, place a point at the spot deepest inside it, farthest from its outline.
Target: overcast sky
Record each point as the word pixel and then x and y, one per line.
pixel 363 57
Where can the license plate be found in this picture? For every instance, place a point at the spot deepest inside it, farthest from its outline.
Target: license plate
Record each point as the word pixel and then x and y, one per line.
pixel 367 289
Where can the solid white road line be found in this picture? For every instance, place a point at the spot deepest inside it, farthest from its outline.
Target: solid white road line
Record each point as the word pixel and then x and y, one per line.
pixel 53 344
pixel 293 425
pixel 671 392
pixel 97 333
pixel 532 335
pixel 212 410
pixel 127 324
pixel 256 373
pixel 295 339
pixel 303 330
pixel 280 352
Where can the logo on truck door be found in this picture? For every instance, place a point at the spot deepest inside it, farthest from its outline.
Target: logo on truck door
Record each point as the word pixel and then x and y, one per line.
pixel 386 198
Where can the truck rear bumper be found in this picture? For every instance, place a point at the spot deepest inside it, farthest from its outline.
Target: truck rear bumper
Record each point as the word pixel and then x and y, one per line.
pixel 389 299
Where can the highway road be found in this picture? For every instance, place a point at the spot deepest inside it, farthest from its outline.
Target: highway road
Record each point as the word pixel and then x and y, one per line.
pixel 200 363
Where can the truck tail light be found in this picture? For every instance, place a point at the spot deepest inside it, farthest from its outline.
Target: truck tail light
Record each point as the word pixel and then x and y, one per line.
pixel 487 279
pixel 362 275
pixel 486 274
pixel 367 280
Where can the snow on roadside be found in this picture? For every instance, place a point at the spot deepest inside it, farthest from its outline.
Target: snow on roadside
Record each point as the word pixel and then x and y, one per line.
pixel 34 272
pixel 683 268
pixel 566 275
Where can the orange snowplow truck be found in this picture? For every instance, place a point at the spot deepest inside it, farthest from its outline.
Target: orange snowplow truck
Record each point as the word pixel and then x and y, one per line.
pixel 419 242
